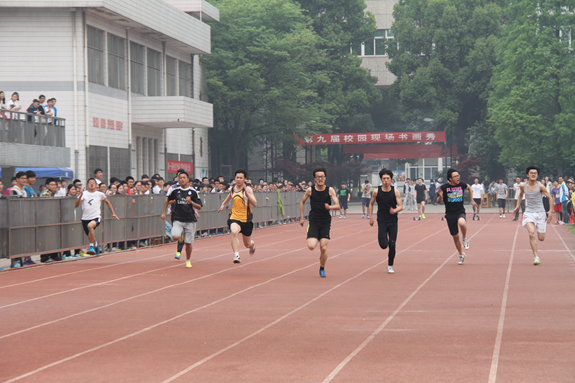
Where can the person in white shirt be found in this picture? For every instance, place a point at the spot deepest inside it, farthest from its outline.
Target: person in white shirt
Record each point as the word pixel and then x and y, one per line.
pixel 98 174
pixel 477 191
pixel 14 106
pixel 517 189
pixel 63 190
pixel 91 201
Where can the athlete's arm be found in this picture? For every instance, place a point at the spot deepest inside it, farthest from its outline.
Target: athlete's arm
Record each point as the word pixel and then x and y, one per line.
pixel 348 195
pixel 225 202
pixel 551 201
pixel 250 195
pixel 302 204
pixel 334 198
pixel 439 195
pixel 196 201
pixel 109 204
pixel 371 203
pixel 399 206
pixel 79 199
pixel 163 216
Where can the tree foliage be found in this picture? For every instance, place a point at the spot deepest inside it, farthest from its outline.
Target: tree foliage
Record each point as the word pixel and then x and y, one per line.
pixel 261 73
pixel 442 55
pixel 532 105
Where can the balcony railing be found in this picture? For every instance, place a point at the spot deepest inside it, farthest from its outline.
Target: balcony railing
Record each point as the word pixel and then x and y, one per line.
pixel 32 129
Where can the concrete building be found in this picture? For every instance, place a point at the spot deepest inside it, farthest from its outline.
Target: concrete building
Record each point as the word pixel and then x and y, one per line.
pixel 127 77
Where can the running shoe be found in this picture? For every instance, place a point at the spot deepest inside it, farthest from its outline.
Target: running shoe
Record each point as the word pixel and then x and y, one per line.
pixel 91 250
pixel 363 216
pixel 188 264
pixel 84 254
pixel 462 259
pixel 16 264
pixel 237 259
pixel 514 219
pixel 390 270
pixel 465 244
pixel 29 262
pixel 344 217
pixel 178 254
pixel 503 215
pixel 340 216
pixel 322 273
pixel 500 215
pixel 368 217
pixel 536 261
pixel 253 250
pixel 423 216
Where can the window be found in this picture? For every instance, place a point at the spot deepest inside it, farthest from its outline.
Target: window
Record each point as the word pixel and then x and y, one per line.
pixel 154 73
pixel 171 76
pixel 95 55
pixel 116 62
pixel 185 75
pixel 375 47
pixel 137 77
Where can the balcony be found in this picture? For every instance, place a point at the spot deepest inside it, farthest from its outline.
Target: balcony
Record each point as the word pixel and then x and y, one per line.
pixel 32 140
pixel 172 112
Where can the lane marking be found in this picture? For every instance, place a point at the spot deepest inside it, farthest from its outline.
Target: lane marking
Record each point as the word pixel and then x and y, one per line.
pixel 153 291
pixel 212 304
pixel 499 336
pixel 564 244
pixel 344 362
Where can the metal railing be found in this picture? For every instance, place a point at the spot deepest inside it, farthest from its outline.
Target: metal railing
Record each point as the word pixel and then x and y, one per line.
pixel 32 129
pixel 31 226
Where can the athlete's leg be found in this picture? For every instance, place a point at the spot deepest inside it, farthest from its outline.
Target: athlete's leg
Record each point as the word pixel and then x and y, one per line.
pixel 235 230
pixel 419 209
pixel 458 244
pixel 188 251
pixel 92 231
pixel 462 226
pixel 248 242
pixel 180 244
pixel 423 207
pixel 532 239
pixel 392 233
pixel 323 254
pixel 312 243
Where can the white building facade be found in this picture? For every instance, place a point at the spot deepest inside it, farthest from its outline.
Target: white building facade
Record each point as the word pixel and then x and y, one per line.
pixel 126 74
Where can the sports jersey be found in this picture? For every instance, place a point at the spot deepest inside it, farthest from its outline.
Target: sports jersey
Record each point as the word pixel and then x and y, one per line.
pixel 343 193
pixel 182 210
pixel 317 201
pixel 385 201
pixel 91 205
pixel 453 198
pixel 241 210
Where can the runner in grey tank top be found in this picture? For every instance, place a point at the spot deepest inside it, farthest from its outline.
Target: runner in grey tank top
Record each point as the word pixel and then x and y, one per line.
pixel 535 217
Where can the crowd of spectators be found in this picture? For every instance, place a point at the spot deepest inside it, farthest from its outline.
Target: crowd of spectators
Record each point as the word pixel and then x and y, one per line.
pixel 38 106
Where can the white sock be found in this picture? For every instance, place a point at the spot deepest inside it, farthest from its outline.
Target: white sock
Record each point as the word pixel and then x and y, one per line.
pixel 236 254
pixel 92 244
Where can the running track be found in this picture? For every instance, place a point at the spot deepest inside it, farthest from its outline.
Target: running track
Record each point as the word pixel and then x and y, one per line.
pixel 141 316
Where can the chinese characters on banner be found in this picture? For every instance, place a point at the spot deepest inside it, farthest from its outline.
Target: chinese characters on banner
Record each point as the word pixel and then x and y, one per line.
pixel 107 124
pixel 174 166
pixel 370 138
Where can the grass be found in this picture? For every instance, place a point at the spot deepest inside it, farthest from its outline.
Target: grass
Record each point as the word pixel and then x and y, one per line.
pixel 571 229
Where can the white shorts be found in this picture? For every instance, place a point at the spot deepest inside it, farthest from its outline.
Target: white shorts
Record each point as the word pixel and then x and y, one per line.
pixel 539 219
pixel 189 229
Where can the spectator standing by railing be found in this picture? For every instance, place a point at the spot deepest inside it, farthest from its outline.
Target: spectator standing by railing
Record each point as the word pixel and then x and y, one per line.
pixel 564 197
pixel 30 180
pixel 50 191
pixel 98 174
pixel 1 187
pixel 17 190
pixel 13 105
pixel 41 99
pixel 2 100
pixel 35 108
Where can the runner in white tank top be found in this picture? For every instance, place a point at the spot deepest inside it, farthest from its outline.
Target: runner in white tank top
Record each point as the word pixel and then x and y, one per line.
pixel 535 218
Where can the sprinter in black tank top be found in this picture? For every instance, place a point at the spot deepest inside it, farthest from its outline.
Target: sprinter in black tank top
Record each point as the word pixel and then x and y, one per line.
pixel 320 199
pixel 388 205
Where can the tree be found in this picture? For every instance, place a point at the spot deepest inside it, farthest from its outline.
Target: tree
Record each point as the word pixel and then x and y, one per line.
pixel 532 105
pixel 348 90
pixel 261 74
pixel 442 55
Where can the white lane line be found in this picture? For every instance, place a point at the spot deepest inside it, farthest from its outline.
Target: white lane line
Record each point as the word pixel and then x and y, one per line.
pixel 339 367
pixel 159 289
pixel 206 359
pixel 192 311
pixel 103 256
pixel 499 336
pixel 564 244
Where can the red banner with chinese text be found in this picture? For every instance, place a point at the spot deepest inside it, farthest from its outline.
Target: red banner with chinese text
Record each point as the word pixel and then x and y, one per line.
pixel 174 166
pixel 370 138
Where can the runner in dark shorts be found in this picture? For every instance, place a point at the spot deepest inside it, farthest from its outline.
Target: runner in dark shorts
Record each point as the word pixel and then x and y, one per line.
pixel 452 195
pixel 320 196
pixel 421 197
pixel 344 196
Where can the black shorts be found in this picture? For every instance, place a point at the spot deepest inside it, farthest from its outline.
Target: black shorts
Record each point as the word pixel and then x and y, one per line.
pixel 452 222
pixel 343 203
pixel 246 228
pixel 477 201
pixel 365 201
pixel 420 200
pixel 85 224
pixel 318 230
pixel 501 202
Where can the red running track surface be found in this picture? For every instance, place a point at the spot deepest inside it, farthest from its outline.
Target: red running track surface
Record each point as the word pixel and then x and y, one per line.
pixel 141 316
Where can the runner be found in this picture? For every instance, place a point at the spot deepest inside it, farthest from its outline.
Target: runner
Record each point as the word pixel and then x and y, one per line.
pixel 185 199
pixel 365 198
pixel 501 192
pixel 421 197
pixel 320 197
pixel 180 245
pixel 477 190
pixel 240 221
pixel 535 217
pixel 452 195
pixel 91 201
pixel 344 196
pixel 517 189
pixel 388 205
